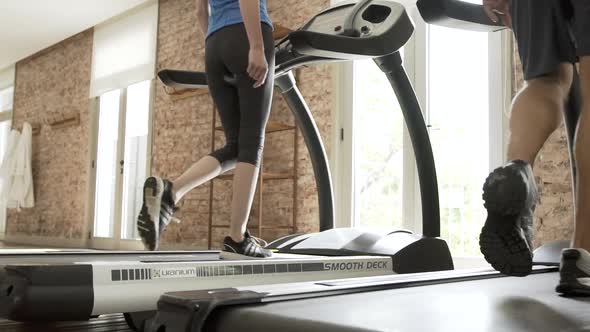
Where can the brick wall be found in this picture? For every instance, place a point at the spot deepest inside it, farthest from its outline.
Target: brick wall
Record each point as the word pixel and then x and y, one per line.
pixel 55 84
pixel 554 217
pixel 182 131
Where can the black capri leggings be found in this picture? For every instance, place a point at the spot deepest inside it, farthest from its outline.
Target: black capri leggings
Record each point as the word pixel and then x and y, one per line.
pixel 243 109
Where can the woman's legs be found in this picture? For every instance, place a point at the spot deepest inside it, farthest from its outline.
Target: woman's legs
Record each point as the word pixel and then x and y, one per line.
pixel 244 112
pixel 200 172
pixel 244 188
pixel 225 97
pixel 254 106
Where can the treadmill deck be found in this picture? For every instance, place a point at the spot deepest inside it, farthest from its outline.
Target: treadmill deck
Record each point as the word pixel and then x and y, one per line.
pixel 500 304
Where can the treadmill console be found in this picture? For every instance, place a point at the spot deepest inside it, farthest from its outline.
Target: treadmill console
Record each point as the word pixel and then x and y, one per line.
pixel 370 18
pixel 348 31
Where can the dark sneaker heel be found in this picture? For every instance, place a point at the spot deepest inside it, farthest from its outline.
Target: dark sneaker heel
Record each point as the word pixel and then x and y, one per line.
pixel 506 250
pixel 510 195
pixel 508 190
pixel 149 216
pixel 569 272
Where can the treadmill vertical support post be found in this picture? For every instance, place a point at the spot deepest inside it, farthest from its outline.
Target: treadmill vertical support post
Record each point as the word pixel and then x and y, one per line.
pixel 319 159
pixel 391 65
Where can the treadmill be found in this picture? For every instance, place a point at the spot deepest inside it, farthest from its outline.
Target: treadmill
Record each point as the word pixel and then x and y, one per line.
pixel 87 286
pixel 77 286
pixel 464 300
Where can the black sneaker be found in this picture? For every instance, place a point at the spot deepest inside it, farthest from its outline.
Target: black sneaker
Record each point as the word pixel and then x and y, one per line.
pixel 156 212
pixel 574 273
pixel 510 196
pixel 168 207
pixel 248 249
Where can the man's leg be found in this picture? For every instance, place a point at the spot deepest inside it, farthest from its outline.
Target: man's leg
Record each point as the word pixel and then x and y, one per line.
pixel 537 112
pixel 574 270
pixel 582 151
pixel 510 193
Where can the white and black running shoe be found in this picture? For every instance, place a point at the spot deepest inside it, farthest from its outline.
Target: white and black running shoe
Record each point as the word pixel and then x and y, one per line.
pixel 510 196
pixel 156 212
pixel 574 273
pixel 248 249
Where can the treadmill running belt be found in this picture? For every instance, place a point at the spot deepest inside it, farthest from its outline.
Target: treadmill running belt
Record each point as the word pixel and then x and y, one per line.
pixel 504 304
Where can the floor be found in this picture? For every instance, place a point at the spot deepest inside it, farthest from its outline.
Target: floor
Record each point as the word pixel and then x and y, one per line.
pixel 110 323
pixel 4 245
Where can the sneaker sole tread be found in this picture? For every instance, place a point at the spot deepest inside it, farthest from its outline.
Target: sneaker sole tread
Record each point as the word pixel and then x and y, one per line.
pixel 150 197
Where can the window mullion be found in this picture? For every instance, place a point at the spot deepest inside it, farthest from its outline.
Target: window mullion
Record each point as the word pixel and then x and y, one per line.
pixel 415 64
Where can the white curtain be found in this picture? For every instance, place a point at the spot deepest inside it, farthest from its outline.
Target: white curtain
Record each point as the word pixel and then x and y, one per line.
pixel 124 50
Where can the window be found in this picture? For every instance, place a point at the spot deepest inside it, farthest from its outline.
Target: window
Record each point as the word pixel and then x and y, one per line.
pixel 121 160
pixel 136 148
pixel 106 164
pixel 458 78
pixel 6 96
pixel 123 68
pixel 458 112
pixel 6 101
pixel 124 50
pixel 378 150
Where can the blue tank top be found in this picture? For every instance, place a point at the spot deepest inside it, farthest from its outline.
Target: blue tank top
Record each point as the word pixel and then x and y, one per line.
pixel 227 12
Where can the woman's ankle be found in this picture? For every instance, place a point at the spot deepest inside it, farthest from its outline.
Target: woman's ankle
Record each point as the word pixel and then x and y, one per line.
pixel 236 236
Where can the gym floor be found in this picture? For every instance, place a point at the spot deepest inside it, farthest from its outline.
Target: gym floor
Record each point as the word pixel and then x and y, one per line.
pixel 110 323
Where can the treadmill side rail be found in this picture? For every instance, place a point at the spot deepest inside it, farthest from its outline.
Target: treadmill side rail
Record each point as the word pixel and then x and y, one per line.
pixel 81 291
pixel 188 311
pixel 28 293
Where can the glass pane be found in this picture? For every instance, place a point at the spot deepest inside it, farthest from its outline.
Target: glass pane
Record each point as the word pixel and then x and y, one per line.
pixel 106 164
pixel 6 97
pixel 4 132
pixel 459 115
pixel 378 150
pixel 136 147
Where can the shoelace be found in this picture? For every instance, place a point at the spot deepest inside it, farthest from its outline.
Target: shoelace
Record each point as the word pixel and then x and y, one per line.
pixel 259 241
pixel 175 220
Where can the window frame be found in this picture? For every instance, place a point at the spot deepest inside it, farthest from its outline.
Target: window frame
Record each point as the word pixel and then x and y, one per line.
pixel 415 59
pixel 116 242
pixel 6 115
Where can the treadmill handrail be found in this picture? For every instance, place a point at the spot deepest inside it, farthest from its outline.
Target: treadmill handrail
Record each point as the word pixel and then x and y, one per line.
pixel 457 14
pixel 186 79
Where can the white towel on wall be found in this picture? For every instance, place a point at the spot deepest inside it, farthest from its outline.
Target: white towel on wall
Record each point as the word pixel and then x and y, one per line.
pixel 8 165
pixel 19 171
